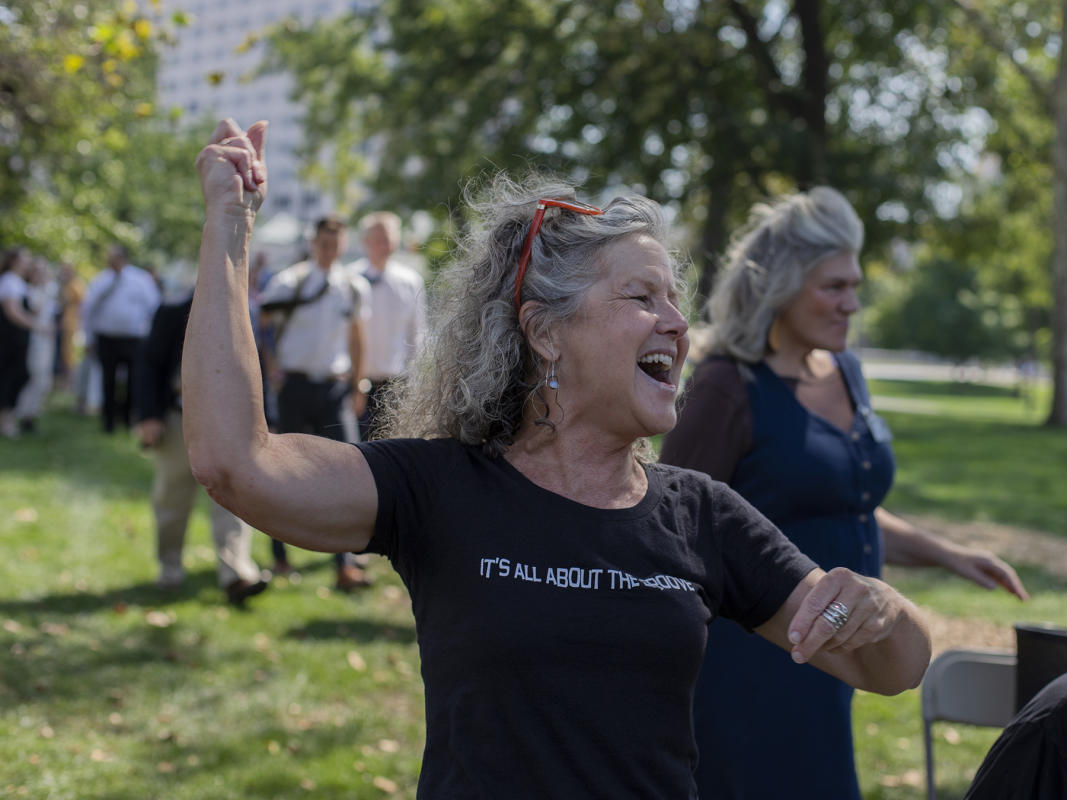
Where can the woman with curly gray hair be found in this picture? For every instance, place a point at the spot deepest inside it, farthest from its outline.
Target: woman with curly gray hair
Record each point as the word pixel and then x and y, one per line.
pixel 780 411
pixel 561 586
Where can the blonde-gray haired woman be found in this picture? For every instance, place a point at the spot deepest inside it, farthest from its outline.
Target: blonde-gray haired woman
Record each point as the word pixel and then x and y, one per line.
pixel 561 587
pixel 779 410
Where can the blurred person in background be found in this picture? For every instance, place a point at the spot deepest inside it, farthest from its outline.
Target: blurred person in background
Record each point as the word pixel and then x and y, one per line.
pixel 16 322
pixel 117 313
pixel 159 429
pixel 317 311
pixel 397 320
pixel 779 410
pixel 42 291
pixel 68 324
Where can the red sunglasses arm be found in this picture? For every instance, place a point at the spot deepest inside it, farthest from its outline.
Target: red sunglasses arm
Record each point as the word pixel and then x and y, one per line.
pixel 527 249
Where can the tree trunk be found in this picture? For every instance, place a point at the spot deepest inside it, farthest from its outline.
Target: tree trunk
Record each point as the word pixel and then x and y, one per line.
pixel 1058 412
pixel 713 235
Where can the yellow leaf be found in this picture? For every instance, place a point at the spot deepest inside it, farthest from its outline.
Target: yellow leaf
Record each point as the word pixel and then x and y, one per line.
pixel 143 28
pixel 26 515
pixel 72 63
pixel 143 109
pixel 216 77
pixel 386 785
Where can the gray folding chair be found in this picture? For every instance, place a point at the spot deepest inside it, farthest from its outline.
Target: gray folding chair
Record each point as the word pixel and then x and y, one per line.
pixel 976 687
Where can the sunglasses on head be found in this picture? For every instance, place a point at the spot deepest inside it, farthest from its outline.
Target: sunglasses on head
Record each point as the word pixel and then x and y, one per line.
pixel 535 226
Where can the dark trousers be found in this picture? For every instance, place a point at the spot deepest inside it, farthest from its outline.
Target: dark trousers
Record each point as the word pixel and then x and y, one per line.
pixel 114 352
pixel 14 372
pixel 307 406
pixel 371 420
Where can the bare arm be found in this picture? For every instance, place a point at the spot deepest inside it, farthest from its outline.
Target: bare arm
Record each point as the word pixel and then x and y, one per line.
pixel 17 314
pixel 308 491
pixel 910 546
pixel 884 646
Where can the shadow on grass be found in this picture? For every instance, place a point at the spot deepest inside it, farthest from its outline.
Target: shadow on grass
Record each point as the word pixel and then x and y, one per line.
pixel 144 594
pixel 360 630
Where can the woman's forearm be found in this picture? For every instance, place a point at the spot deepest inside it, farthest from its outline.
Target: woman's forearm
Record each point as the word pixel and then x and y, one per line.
pixel 222 397
pixel 16 314
pixel 898 662
pixel 908 546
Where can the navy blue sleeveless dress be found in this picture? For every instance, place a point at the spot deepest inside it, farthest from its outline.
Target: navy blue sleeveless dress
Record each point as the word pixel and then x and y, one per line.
pixel 765 726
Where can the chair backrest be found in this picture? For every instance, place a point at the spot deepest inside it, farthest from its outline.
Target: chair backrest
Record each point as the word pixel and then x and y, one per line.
pixel 1042 653
pixel 972 686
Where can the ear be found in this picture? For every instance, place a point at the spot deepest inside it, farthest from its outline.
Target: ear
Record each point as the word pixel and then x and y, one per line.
pixel 538 334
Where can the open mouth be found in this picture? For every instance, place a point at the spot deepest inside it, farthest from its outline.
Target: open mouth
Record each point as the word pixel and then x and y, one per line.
pixel 657 366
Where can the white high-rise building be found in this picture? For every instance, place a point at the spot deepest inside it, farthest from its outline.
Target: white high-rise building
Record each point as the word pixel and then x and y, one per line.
pixel 206 74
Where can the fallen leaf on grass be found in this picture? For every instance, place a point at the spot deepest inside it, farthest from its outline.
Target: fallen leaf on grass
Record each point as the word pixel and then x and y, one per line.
pixel 55 629
pixel 11 626
pixel 159 619
pixel 26 515
pixel 911 777
pixel 166 767
pixel 386 785
pixel 355 661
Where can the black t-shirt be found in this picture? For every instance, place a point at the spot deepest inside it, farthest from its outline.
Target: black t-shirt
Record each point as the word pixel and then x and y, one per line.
pixel 560 643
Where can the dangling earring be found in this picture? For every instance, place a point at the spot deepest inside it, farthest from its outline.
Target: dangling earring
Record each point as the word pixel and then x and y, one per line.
pixel 550 378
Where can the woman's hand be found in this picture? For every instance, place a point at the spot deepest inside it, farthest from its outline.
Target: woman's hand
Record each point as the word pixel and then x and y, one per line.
pixel 233 174
pixel 908 546
pixel 866 611
pixel 985 569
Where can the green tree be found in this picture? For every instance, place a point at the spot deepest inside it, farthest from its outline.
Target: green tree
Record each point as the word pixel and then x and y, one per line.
pixel 706 106
pixel 940 307
pixel 84 159
pixel 1014 55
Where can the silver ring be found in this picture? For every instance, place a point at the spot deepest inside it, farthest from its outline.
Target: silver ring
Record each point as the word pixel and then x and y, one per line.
pixel 836 614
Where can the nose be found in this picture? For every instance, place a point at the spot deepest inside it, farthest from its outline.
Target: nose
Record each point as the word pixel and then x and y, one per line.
pixel 850 304
pixel 672 322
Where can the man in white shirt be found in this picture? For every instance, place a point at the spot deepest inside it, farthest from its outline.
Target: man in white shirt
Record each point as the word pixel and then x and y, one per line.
pixel 397 323
pixel 116 314
pixel 317 309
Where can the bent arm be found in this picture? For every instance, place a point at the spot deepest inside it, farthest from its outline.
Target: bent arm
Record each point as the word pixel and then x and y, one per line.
pixel 308 491
pixel 909 546
pixel 17 314
pixel 884 647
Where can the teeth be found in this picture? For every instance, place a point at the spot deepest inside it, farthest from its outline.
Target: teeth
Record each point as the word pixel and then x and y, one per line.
pixel 657 358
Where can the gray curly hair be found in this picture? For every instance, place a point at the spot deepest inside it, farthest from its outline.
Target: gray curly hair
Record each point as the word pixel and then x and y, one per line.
pixel 769 260
pixel 477 372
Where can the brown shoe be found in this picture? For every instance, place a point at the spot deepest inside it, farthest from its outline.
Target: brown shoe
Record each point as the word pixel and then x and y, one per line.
pixel 351 577
pixel 240 590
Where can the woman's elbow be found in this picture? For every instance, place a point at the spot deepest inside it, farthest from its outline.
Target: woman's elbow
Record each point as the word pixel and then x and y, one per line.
pixel 209 471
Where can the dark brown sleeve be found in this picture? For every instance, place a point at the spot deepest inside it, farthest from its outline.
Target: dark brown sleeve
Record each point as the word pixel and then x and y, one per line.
pixel 714 429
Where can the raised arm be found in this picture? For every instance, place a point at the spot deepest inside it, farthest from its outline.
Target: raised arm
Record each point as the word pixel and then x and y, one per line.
pixel 880 644
pixel 308 491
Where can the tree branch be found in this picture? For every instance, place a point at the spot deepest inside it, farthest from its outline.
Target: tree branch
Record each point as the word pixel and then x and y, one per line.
pixel 766 69
pixel 993 37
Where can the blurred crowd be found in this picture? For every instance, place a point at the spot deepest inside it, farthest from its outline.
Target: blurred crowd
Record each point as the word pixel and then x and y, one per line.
pixel 333 330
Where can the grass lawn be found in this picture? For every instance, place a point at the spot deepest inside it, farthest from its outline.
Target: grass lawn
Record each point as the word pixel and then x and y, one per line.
pixel 112 689
pixel 975 453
